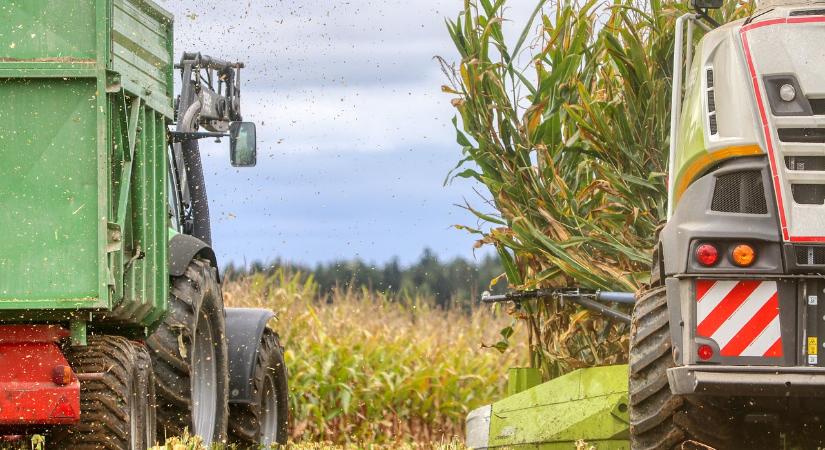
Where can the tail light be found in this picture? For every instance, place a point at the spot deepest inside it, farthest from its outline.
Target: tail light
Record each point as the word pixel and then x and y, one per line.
pixel 707 254
pixel 705 352
pixel 61 375
pixel 743 255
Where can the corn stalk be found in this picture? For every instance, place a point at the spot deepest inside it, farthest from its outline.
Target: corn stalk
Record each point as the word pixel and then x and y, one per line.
pixel 568 130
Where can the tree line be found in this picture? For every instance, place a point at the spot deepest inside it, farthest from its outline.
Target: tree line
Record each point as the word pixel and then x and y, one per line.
pixel 450 283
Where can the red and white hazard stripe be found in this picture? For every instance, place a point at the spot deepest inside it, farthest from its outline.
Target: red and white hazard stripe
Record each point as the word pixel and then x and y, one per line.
pixel 741 316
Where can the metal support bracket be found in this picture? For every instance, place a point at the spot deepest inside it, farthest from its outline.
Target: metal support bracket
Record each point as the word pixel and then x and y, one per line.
pixel 77 330
pixel 126 174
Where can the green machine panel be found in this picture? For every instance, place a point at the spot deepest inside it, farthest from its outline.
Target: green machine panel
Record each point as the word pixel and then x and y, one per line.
pixel 87 88
pixel 587 406
pixel 49 186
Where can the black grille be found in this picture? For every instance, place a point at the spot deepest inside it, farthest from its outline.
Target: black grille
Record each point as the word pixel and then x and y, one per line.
pixel 808 194
pixel 714 126
pixel 803 135
pixel 805 162
pixel 809 12
pixel 740 192
pixel 810 255
pixel 817 105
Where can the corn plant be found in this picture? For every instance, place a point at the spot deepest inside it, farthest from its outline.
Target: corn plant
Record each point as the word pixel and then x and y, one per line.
pixel 572 147
pixel 366 367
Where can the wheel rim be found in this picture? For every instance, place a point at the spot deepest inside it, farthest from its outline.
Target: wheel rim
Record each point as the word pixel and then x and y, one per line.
pixel 204 381
pixel 269 412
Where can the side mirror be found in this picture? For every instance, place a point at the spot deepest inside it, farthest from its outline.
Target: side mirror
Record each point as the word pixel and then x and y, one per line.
pixel 706 4
pixel 243 148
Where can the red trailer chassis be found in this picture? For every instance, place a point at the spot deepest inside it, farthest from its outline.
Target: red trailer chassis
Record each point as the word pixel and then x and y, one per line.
pixel 37 386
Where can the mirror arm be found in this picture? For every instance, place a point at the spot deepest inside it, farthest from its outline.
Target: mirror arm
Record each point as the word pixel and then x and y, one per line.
pixel 181 136
pixel 703 14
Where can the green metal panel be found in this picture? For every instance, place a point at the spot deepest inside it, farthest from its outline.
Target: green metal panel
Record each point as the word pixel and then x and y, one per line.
pixel 691 137
pixel 48 31
pixel 88 96
pixel 587 404
pixel 141 52
pixel 49 185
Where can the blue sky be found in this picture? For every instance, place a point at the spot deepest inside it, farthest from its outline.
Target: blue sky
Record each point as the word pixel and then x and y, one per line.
pixel 354 134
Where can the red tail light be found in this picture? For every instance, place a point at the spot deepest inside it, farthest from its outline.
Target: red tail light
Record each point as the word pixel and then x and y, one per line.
pixel 705 352
pixel 707 254
pixel 61 375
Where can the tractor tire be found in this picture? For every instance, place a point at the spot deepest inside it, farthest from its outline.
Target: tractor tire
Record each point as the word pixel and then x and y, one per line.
pixel 659 419
pixel 115 400
pixel 265 421
pixel 190 357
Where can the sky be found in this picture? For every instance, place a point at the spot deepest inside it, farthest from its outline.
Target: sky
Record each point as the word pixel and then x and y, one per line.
pixel 354 133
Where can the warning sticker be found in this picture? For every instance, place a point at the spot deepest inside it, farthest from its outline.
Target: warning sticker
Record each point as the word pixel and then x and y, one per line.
pixel 812 345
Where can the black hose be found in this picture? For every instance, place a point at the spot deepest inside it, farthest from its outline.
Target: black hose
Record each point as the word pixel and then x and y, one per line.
pixel 201 228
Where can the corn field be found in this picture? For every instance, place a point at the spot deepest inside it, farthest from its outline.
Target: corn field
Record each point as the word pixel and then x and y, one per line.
pixel 368 371
pixel 366 368
pixel 188 442
pixel 568 130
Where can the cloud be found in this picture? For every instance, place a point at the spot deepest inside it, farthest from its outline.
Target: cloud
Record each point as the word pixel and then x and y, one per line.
pixel 354 133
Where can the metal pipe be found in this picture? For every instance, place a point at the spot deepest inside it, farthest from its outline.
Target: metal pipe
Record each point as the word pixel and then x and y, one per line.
pixel 618 297
pixel 587 300
pixel 702 25
pixel 675 106
pixel 596 306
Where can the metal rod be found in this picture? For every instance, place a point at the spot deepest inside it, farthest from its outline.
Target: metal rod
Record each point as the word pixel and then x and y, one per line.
pixel 618 297
pixel 90 376
pixel 595 306
pixel 675 106
pixel 589 300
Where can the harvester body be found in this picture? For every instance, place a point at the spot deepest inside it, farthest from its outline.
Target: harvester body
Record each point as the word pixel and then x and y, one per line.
pixel 725 343
pixel 750 170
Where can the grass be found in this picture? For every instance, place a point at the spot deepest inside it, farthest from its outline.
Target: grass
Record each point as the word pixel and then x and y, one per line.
pixel 365 367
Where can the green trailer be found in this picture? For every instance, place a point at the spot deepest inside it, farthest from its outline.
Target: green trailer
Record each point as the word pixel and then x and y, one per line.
pixel 108 281
pixel 83 162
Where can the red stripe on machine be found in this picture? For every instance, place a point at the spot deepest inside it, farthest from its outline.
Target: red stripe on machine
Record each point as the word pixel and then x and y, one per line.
pixel 775 351
pixel 702 287
pixel 766 129
pixel 727 306
pixel 742 317
pixel 764 118
pixel 753 328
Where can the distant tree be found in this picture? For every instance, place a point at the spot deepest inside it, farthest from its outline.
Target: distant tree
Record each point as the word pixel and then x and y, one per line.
pixel 457 283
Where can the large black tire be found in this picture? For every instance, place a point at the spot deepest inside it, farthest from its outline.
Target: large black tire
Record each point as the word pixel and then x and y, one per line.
pixel 115 401
pixel 265 421
pixel 660 420
pixel 190 357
